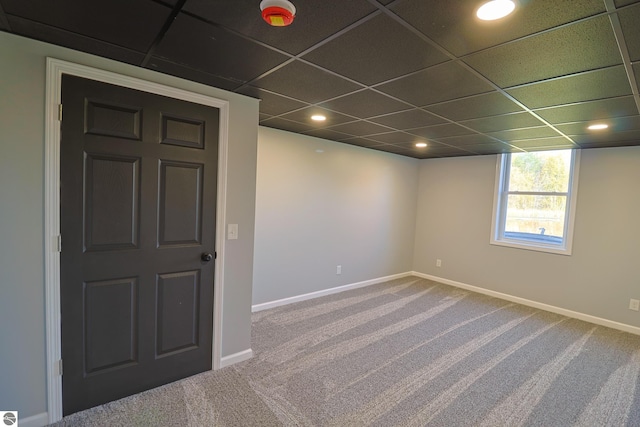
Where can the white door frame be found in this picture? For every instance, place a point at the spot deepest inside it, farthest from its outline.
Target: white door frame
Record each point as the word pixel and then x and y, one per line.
pixel 55 69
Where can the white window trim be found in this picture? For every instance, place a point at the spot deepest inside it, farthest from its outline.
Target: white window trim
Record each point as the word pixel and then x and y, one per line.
pixel 499 206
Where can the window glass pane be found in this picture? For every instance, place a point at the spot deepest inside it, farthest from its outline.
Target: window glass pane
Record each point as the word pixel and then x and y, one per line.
pixel 546 171
pixel 539 218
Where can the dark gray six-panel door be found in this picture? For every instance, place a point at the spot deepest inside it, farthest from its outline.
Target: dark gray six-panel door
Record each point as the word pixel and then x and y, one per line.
pixel 138 204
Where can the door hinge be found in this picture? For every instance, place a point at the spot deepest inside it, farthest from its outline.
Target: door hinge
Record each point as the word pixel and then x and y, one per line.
pixel 60 367
pixel 215 255
pixel 59 243
pixel 59 112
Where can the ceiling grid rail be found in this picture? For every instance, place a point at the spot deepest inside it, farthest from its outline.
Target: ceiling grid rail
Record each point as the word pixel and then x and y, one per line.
pixel 624 51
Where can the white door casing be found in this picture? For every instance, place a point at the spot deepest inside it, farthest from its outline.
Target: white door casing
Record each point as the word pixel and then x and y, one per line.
pixel 55 69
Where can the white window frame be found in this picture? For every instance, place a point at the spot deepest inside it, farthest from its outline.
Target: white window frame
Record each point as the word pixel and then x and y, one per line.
pixel 500 199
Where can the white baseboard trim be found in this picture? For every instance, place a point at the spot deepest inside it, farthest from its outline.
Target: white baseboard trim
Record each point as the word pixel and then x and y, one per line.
pixel 317 294
pixel 232 359
pixel 38 420
pixel 546 307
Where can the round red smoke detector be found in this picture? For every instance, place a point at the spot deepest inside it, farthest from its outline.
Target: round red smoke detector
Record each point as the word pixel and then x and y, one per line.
pixel 278 13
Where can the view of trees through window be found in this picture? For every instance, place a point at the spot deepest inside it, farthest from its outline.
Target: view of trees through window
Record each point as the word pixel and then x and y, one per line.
pixel 537 194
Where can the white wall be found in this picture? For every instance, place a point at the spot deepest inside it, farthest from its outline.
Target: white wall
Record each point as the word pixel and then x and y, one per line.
pixel 346 206
pixel 454 222
pixel 22 320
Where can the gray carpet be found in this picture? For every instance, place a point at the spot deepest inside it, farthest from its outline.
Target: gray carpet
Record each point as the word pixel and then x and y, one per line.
pixel 409 352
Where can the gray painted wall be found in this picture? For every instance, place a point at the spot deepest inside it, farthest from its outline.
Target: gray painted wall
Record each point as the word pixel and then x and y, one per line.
pixel 345 206
pixel 22 320
pixel 454 222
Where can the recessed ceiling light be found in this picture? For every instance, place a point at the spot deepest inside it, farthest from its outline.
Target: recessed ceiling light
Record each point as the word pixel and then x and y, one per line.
pixel 495 9
pixel 421 144
pixel 318 118
pixel 598 126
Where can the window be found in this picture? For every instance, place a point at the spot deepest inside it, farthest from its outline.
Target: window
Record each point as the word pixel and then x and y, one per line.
pixel 535 198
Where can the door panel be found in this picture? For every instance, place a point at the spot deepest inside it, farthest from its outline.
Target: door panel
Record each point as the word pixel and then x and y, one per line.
pixel 178 303
pixel 111 324
pixel 180 203
pixel 138 203
pixel 113 120
pixel 111 202
pixel 181 131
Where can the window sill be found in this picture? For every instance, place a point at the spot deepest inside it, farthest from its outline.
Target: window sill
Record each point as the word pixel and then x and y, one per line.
pixel 532 246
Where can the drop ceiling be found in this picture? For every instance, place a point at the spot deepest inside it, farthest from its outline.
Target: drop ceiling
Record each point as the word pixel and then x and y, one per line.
pixel 387 74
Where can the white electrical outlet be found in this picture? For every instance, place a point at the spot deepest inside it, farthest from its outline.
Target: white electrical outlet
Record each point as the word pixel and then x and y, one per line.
pixel 634 304
pixel 438 263
pixel 339 269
